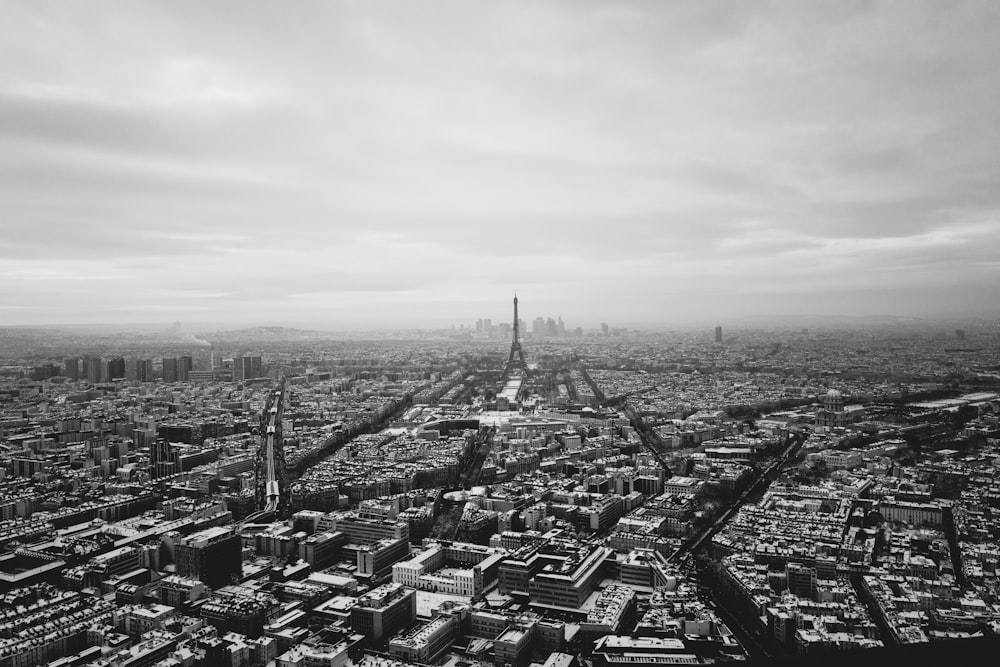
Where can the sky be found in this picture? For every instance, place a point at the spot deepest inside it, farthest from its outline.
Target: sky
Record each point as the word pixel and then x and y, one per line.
pixel 403 164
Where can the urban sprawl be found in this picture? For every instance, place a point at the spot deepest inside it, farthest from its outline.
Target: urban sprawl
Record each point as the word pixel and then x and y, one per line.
pixel 495 495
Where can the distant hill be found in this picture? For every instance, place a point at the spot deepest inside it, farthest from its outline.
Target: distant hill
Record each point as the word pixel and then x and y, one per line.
pixel 266 334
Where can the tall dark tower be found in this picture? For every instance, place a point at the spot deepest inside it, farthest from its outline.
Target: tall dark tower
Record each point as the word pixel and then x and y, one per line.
pixel 515 360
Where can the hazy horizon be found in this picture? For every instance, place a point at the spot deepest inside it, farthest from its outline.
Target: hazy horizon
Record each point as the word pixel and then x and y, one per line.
pixel 402 166
pixel 787 322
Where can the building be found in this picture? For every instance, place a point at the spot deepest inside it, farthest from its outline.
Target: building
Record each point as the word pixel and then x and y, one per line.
pixel 177 369
pixel 618 650
pixel 377 559
pixel 310 654
pixel 144 370
pixel 213 556
pixel 557 573
pixel 161 458
pixel 835 414
pixel 602 513
pixel 139 619
pixel 610 610
pixel 321 550
pixel 247 368
pixel 425 643
pixel 177 591
pixel 570 582
pixel 363 531
pixel 678 485
pixel 454 568
pixel 801 580
pixel 116 368
pixel 917 514
pixel 382 612
pixel 641 652
pixel 92 369
pixel 718 334
pixel 513 647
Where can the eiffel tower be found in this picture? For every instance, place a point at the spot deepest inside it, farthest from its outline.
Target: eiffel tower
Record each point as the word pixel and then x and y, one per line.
pixel 515 360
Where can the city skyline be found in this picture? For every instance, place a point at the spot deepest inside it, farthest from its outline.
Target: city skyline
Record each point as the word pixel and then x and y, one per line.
pixel 368 166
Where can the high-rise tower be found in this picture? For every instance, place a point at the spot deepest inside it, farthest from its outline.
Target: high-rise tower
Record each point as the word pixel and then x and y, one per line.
pixel 515 360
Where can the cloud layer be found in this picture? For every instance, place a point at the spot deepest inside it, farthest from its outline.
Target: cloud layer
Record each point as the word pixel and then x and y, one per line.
pixel 395 164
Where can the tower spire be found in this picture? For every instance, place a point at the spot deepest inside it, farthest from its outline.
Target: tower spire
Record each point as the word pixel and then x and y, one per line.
pixel 517 336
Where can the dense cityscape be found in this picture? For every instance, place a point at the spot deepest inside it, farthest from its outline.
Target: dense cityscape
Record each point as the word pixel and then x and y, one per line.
pixel 499 334
pixel 476 496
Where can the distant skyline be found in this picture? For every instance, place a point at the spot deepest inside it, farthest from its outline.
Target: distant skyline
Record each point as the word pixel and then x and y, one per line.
pixel 362 165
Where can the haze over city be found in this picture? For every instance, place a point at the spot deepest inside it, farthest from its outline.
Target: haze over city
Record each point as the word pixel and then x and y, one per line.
pixel 397 164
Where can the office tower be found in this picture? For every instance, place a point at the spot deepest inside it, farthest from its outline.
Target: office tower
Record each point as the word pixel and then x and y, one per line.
pixel 185 365
pixel 169 370
pixel 204 362
pixel 245 368
pixel 241 370
pixel 718 334
pixel 604 328
pixel 116 368
pixel 72 368
pixel 131 369
pixel 538 326
pixel 93 368
pixel 45 372
pixel 560 327
pixel 144 370
pixel 213 556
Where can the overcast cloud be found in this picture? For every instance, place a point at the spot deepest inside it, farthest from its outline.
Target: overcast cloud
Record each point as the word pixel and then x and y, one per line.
pixel 412 164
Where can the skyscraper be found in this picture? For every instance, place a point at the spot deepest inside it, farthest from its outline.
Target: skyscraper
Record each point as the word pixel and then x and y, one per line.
pixel 116 368
pixel 144 370
pixel 72 368
pixel 184 366
pixel 718 334
pixel 169 369
pixel 245 368
pixel 93 369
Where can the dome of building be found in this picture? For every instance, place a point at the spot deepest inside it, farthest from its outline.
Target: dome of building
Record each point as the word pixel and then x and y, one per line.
pixel 833 400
